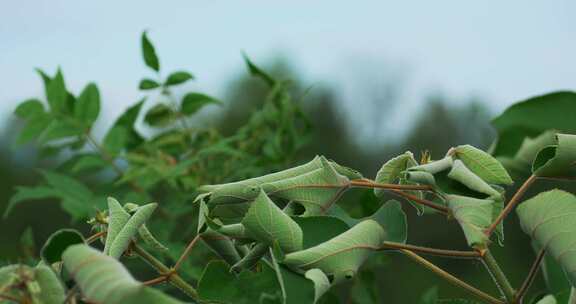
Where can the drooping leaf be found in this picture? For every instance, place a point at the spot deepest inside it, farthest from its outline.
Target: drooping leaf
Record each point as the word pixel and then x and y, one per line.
pixel 434 166
pixel 474 216
pixel 178 77
pixel 51 289
pixel 221 245
pixel 266 223
pixel 160 115
pixel 149 53
pixel 548 219
pixel 193 102
pixel 253 256
pixel 392 170
pixel 558 160
pixel 102 279
pixel 483 165
pixel 462 174
pixel 148 84
pixel 531 117
pixel 87 108
pixel 58 242
pixel 342 255
pixel 29 109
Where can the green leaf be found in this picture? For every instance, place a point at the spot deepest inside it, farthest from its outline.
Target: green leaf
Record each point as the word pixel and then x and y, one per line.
pixel 148 84
pixel 150 240
pixel 57 94
pixel 265 222
pixel 549 219
pixel 60 129
pixel 160 115
pixel 122 240
pixel 549 299
pixel 342 255
pixel 257 72
pixel 102 279
pixel 218 285
pixel 251 258
pixel 483 165
pixel 558 160
pixel 430 296
pixel 76 198
pixel 58 242
pixel 192 102
pixel 29 193
pixel 462 174
pixel 392 170
pixel 149 54
pixel 117 219
pixel 319 229
pixel 533 116
pixel 29 109
pixel 221 245
pixel 474 216
pixel 87 108
pixel 178 77
pixel 116 139
pixel 34 128
pixel 51 289
pixel 88 162
pixel 122 134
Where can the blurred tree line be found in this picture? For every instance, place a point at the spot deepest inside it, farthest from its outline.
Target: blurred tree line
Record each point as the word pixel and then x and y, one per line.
pixel 439 123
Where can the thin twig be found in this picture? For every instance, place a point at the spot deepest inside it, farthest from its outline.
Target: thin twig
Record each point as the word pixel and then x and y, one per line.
pixel 420 201
pixel 95 236
pixel 432 251
pixel 450 278
pixel 513 202
pixel 186 252
pixel 370 184
pixel 154 281
pixel 531 276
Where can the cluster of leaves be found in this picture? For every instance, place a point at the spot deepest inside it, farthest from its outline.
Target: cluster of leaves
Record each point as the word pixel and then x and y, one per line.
pixel 280 237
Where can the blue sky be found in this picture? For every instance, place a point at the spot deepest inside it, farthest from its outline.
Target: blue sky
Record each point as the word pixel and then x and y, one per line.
pixel 500 50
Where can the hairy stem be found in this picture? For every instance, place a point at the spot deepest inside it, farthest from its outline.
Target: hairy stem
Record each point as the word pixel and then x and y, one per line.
pixel 164 270
pixel 450 278
pixel 531 276
pixel 432 251
pixel 510 206
pixel 498 276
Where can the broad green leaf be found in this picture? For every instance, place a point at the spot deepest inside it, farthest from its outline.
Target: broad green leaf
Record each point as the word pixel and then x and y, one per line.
pixel 121 242
pixel 266 223
pixel 474 216
pixel 149 53
pixel 117 219
pixel 393 170
pixel 87 108
pixel 51 289
pixel 192 102
pixel 553 274
pixel 76 198
pixel 483 165
pixel 60 129
pixel 148 84
pixel 29 109
pixel 316 191
pixel 348 172
pixel 58 242
pixel 529 118
pixel 57 94
pixel 257 72
pixel 160 115
pixel 102 279
pixel 321 282
pixel 464 175
pixel 251 258
pixel 319 229
pixel 549 219
pixel 34 128
pixel 218 285
pixel 116 139
pixel 558 160
pixel 28 193
pixel 343 255
pixel 88 162
pixel 178 78
pixel 524 158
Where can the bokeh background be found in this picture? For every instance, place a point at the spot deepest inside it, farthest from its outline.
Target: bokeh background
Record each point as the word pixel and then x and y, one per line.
pixel 377 78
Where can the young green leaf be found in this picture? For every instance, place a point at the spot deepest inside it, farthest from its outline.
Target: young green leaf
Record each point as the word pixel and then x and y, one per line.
pixel 117 219
pixel 392 170
pixel 123 134
pixel 558 160
pixel 160 115
pixel 148 84
pixel 29 109
pixel 102 279
pixel 266 223
pixel 57 94
pixel 474 216
pixel 192 102
pixel 129 230
pixel 483 165
pixel 342 255
pixel 87 108
pixel 34 128
pixel 549 219
pixel 257 72
pixel 178 77
pixel 149 53
pixel 58 242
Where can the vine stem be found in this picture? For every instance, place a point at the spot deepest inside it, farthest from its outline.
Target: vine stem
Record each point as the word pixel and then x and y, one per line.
pixel 450 278
pixel 431 251
pixel 513 202
pixel 170 274
pixel 498 276
pixel 531 276
pixel 397 189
